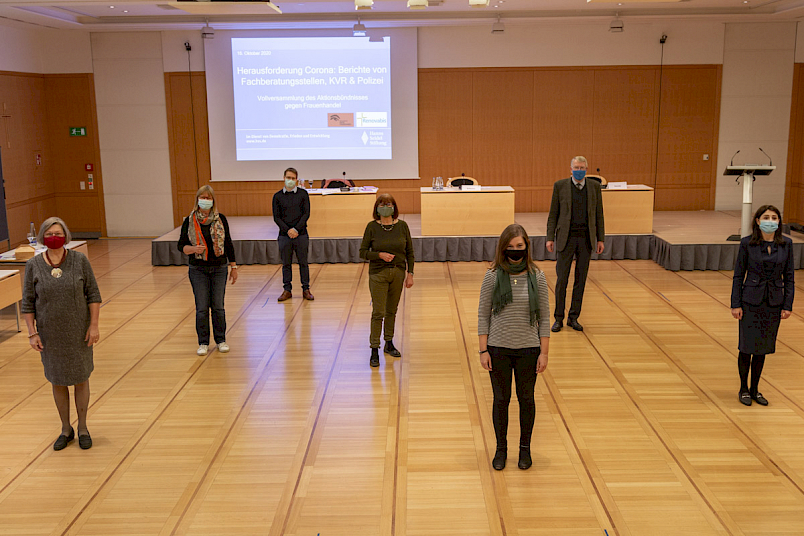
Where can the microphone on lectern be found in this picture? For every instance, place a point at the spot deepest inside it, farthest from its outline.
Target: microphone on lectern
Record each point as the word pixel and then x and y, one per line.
pixel 766 154
pixel 735 154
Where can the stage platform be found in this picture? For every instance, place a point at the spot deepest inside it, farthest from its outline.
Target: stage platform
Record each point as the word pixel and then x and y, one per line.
pixel 680 241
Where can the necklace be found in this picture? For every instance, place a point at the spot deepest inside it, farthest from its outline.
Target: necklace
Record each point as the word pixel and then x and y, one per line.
pixel 56 271
pixel 389 228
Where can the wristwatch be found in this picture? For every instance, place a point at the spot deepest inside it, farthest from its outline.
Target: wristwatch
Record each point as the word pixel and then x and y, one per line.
pixel 481 352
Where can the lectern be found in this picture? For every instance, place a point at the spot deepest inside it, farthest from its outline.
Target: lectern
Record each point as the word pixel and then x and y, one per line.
pixel 747 173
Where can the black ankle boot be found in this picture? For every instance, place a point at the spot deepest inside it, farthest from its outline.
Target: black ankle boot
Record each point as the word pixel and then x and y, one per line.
pixel 499 459
pixel 374 361
pixel 391 350
pixel 525 460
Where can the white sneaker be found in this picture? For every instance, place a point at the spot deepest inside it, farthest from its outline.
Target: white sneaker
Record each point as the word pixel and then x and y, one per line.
pixel 203 349
pixel 223 347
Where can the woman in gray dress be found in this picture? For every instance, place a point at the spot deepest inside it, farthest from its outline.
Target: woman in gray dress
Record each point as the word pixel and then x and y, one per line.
pixel 61 305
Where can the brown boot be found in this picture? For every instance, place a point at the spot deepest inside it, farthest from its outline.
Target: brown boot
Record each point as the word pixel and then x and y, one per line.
pixel 286 295
pixel 307 295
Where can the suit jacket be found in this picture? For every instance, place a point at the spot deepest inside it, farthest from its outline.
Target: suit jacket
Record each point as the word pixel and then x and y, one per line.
pixel 558 221
pixel 750 284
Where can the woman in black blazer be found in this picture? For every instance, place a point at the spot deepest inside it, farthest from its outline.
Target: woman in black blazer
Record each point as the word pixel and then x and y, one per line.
pixel 761 296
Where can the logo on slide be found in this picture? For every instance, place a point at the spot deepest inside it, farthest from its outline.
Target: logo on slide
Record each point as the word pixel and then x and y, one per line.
pixel 340 120
pixel 372 119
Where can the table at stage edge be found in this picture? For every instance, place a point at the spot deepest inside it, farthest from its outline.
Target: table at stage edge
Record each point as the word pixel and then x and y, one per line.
pixel 11 291
pixel 455 212
pixel 75 245
pixel 340 214
pixel 628 211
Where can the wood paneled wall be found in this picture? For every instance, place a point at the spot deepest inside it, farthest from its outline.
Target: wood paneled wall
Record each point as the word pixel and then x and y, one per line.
pixel 30 193
pixel 71 103
pixel 42 108
pixel 516 126
pixel 794 186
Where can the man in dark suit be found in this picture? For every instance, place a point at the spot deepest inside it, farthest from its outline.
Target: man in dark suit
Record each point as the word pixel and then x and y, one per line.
pixel 575 228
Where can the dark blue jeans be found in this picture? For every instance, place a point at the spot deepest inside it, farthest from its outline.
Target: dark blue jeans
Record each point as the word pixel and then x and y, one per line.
pixel 209 287
pixel 287 246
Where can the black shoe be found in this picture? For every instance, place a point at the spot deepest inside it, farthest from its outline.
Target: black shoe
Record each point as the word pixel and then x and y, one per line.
pixel 374 361
pixel 391 350
pixel 745 398
pixel 85 441
pixel 525 460
pixel 761 400
pixel 63 440
pixel 499 459
pixel 557 325
pixel 574 324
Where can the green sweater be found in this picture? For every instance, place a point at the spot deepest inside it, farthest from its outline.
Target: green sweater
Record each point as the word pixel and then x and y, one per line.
pixel 397 242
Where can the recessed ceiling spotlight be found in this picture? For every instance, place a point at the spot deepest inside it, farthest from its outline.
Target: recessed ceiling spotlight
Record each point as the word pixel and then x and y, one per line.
pixel 111 7
pixel 125 11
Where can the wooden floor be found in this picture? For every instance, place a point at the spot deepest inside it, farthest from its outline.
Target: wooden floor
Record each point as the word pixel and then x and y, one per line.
pixel 638 428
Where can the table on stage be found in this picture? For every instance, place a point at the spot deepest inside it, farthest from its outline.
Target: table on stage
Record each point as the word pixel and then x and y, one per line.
pixel 334 213
pixel 455 212
pixel 628 211
pixel 11 291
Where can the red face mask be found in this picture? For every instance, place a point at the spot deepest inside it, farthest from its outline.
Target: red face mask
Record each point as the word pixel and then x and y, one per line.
pixel 54 242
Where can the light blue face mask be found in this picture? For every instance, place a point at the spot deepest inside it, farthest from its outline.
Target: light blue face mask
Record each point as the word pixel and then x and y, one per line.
pixel 578 174
pixel 768 226
pixel 290 184
pixel 205 204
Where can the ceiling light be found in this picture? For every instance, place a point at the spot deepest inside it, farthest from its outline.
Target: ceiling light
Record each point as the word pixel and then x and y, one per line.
pixel 359 30
pixel 498 27
pixel 417 4
pixel 363 4
pixel 125 11
pixel 479 3
pixel 111 7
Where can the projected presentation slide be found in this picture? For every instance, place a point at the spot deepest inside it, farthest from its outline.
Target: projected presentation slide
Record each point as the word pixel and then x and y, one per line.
pixel 312 98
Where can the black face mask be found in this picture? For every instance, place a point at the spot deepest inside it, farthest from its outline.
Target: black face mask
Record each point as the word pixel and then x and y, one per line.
pixel 516 255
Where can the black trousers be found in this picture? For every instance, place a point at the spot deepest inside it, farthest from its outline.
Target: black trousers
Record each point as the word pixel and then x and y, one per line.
pixel 579 249
pixel 288 246
pixel 521 364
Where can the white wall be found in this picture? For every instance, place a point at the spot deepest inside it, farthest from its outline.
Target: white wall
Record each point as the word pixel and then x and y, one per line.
pixel 570 44
pixel 756 94
pixel 26 49
pixel 19 50
pixel 65 51
pixel 174 54
pixel 132 123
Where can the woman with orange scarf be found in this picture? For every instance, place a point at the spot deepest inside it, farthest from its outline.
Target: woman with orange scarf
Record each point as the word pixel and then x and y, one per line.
pixel 206 241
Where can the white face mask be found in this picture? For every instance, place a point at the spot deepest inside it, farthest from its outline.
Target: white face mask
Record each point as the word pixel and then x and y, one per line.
pixel 205 204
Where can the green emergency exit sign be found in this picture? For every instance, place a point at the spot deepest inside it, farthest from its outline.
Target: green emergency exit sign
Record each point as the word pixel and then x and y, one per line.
pixel 78 131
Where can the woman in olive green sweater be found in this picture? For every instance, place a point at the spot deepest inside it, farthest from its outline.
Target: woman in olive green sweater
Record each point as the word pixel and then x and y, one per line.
pixel 388 247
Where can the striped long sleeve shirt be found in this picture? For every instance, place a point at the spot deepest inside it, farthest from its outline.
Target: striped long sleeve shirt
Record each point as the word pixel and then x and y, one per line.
pixel 511 328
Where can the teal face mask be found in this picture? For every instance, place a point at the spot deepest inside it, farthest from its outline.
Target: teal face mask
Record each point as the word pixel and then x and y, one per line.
pixel 290 184
pixel 385 212
pixel 205 204
pixel 768 226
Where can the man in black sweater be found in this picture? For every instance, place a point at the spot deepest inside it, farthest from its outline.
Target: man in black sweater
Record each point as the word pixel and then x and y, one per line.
pixel 575 229
pixel 291 208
